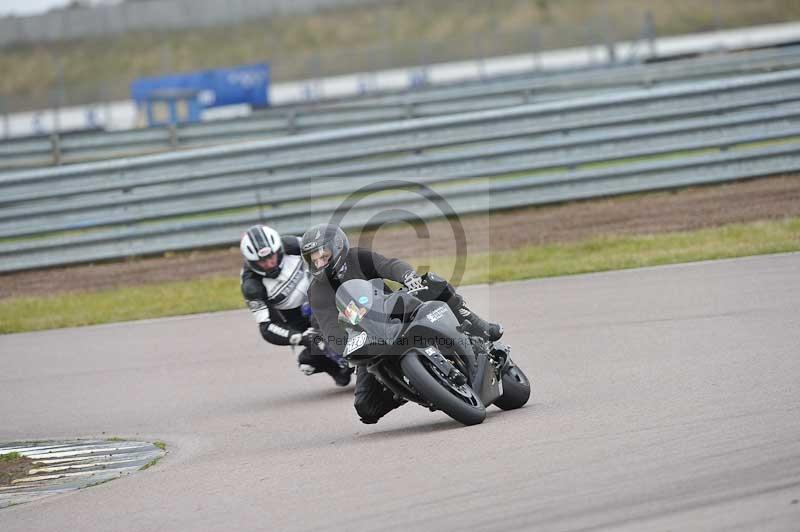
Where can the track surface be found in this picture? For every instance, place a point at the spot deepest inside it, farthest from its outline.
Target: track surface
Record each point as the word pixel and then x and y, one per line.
pixel 664 399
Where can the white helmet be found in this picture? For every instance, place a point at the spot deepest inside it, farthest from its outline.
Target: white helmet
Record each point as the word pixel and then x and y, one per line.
pixel 262 249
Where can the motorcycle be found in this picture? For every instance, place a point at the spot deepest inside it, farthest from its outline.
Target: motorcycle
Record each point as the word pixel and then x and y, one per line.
pixel 419 351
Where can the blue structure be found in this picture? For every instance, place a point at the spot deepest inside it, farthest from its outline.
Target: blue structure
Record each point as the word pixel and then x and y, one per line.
pixel 186 95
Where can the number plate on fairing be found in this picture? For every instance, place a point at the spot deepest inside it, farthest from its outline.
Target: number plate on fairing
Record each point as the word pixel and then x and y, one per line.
pixel 354 343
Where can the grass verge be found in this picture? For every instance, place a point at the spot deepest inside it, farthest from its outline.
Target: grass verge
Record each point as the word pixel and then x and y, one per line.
pixel 150 464
pixel 161 445
pixel 617 252
pixel 591 255
pixel 123 304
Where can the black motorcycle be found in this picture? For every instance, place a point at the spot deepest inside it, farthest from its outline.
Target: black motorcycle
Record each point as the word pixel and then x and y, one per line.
pixel 419 351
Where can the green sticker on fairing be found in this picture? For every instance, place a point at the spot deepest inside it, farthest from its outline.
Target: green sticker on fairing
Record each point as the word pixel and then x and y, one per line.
pixel 353 314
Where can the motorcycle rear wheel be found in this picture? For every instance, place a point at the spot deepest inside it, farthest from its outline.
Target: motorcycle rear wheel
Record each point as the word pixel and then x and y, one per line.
pixel 459 402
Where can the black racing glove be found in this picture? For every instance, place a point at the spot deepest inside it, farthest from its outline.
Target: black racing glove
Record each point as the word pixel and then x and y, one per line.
pixel 310 338
pixel 413 282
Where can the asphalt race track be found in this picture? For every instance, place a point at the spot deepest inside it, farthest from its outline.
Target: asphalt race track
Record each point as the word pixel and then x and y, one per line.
pixel 664 399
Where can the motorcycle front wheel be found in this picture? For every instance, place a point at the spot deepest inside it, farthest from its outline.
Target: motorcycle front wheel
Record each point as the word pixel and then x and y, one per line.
pixel 516 389
pixel 459 402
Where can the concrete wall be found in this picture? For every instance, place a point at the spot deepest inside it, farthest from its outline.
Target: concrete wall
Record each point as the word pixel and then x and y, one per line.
pixel 155 14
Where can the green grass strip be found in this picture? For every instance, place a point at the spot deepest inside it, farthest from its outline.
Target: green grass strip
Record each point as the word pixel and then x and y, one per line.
pixel 617 252
pixel 122 304
pixel 592 255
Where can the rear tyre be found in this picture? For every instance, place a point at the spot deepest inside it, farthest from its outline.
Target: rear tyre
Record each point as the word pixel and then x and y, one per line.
pixel 459 402
pixel 516 389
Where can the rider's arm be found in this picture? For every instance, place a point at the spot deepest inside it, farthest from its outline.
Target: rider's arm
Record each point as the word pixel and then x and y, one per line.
pixel 374 265
pixel 322 299
pixel 291 244
pixel 255 295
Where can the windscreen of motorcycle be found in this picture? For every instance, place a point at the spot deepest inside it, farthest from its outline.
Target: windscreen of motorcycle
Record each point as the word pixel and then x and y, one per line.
pixel 361 306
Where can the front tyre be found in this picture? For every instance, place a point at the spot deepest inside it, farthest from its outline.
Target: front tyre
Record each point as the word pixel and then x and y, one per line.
pixel 459 402
pixel 516 388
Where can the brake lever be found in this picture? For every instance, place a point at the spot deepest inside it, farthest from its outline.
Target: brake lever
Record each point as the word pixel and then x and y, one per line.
pixel 464 326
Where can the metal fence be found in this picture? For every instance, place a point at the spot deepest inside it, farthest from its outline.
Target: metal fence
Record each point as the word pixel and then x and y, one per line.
pixel 637 140
pixel 79 23
pixel 87 146
pixel 392 34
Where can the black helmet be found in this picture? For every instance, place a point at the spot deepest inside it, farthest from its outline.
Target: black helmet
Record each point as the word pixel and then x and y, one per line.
pixel 325 250
pixel 261 245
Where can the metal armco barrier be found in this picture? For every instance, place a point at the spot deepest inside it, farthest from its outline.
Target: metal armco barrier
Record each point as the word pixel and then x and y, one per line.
pixel 711 131
pixel 87 146
pixel 505 158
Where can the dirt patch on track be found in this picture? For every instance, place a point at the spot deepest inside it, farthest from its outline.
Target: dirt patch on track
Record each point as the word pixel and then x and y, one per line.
pixel 687 209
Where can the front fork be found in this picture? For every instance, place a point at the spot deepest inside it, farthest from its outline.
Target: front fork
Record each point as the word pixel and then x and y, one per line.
pixel 501 354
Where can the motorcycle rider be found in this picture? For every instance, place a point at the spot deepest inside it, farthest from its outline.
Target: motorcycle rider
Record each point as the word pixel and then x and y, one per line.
pixel 330 259
pixel 274 283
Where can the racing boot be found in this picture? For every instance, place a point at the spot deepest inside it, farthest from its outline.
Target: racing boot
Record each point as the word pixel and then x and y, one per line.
pixel 307 369
pixel 478 326
pixel 341 376
pixel 340 370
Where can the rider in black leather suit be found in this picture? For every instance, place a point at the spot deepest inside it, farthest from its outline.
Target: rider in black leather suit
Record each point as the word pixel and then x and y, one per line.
pixel 326 250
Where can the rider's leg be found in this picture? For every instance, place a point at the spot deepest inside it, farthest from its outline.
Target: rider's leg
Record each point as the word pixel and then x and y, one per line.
pixel 372 399
pixel 311 362
pixel 440 290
